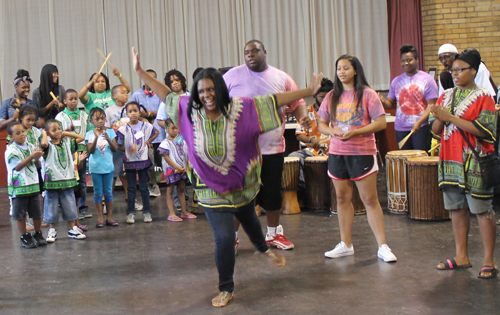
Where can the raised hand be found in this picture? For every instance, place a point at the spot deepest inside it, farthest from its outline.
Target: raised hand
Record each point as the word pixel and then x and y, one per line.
pixel 316 83
pixel 137 63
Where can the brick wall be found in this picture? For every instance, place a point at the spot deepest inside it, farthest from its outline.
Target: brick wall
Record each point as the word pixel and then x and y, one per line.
pixel 465 24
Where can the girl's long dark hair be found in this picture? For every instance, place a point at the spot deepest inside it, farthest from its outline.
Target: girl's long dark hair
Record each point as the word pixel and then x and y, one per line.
pixel 47 84
pixel 359 84
pixel 222 98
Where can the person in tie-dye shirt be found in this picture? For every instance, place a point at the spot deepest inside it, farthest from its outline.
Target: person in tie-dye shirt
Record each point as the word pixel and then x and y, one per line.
pixel 415 92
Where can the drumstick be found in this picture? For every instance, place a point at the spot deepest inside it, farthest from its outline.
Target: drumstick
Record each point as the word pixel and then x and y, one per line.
pixel 53 96
pixel 402 142
pixel 104 57
pixel 434 148
pixel 105 61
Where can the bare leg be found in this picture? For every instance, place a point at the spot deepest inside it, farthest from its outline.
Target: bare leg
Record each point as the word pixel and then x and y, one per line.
pixel 368 192
pixel 21 225
pixel 182 196
pixel 488 229
pixel 109 211
pixel 273 217
pixel 461 224
pixel 236 224
pixel 170 200
pixel 37 223
pixel 152 177
pixel 71 224
pixel 100 216
pixel 345 209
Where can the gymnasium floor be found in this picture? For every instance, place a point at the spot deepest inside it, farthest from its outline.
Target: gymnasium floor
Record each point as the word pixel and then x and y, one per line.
pixel 168 268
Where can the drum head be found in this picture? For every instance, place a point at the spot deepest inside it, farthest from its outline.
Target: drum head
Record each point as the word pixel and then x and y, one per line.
pixel 317 159
pixel 420 160
pixel 406 153
pixel 292 159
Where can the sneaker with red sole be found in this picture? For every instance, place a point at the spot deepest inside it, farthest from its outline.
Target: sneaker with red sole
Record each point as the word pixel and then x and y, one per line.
pixel 279 241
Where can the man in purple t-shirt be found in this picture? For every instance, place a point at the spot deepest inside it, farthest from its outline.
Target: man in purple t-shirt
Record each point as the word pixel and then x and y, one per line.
pixel 415 92
pixel 256 78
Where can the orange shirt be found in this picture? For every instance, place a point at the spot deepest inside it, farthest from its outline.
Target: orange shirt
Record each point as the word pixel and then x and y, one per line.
pixel 314 132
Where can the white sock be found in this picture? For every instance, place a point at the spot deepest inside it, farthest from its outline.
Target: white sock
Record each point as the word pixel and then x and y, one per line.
pixel 236 234
pixel 271 231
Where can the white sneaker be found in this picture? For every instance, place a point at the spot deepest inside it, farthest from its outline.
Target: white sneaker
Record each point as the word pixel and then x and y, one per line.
pixel 130 218
pixel 138 206
pixel 147 218
pixel 51 236
pixel 76 233
pixel 385 253
pixel 154 191
pixel 340 250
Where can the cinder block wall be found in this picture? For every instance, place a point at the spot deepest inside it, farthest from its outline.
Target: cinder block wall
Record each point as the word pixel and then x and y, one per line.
pixel 465 24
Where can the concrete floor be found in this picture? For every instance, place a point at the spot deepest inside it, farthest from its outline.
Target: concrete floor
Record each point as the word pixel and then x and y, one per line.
pixel 168 268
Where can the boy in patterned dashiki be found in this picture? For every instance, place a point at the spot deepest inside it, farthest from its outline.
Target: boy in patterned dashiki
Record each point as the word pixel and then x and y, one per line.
pixel 22 160
pixel 60 179
pixel 76 120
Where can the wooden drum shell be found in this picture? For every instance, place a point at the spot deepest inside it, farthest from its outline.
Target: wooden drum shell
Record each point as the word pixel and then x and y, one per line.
pixel 425 200
pixel 397 197
pixel 290 185
pixel 317 183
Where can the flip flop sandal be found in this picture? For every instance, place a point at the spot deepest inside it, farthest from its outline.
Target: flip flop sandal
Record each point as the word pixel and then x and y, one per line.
pixel 451 264
pixel 490 269
pixel 188 216
pixel 174 219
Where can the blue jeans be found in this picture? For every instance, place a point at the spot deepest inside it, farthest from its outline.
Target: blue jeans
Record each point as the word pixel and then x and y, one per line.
pixel 420 140
pixel 103 186
pixel 82 173
pixel 59 197
pixel 132 188
pixel 222 223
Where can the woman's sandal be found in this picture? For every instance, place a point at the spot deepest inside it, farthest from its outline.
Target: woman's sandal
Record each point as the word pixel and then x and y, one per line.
pixel 174 219
pixel 276 258
pixel 188 216
pixel 451 264
pixel 492 270
pixel 222 299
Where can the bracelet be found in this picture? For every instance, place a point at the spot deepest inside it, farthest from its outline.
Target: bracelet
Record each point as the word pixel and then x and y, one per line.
pixel 119 76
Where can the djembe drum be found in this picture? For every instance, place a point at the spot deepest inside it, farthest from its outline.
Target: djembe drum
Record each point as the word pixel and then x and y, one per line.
pixel 425 200
pixel 316 178
pixel 357 203
pixel 290 185
pixel 396 179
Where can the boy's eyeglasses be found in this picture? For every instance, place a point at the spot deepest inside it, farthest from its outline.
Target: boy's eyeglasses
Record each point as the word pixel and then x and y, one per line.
pixel 459 70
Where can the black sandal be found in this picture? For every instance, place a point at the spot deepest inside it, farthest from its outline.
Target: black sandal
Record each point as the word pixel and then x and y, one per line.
pixel 490 269
pixel 451 264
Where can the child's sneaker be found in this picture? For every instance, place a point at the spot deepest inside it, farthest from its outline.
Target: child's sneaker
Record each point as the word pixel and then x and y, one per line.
pixel 147 218
pixel 385 253
pixel 51 236
pixel 154 191
pixel 130 218
pixel 138 206
pixel 38 238
pixel 27 241
pixel 86 213
pixel 340 250
pixel 76 233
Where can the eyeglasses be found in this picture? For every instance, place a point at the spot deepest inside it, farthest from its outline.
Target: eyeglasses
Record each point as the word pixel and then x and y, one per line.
pixel 445 57
pixel 459 70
